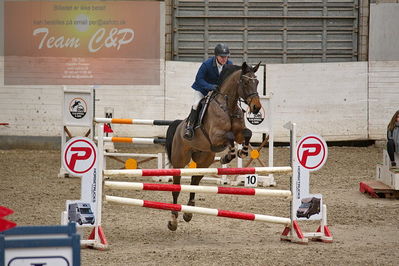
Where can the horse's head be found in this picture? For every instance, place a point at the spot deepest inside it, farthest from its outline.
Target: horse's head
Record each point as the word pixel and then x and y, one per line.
pixel 248 87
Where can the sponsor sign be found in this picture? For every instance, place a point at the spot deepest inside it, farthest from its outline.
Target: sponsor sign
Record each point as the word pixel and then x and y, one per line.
pixel 82 42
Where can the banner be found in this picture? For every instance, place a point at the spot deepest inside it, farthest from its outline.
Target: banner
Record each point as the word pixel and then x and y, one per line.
pixel 82 43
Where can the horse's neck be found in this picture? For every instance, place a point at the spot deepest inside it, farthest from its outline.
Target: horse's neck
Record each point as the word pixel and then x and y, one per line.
pixel 229 88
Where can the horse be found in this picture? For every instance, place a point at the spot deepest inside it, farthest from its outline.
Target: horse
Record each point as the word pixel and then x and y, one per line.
pixel 222 125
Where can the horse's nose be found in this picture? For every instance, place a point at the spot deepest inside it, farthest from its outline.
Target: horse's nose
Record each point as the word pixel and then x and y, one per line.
pixel 255 105
pixel 255 109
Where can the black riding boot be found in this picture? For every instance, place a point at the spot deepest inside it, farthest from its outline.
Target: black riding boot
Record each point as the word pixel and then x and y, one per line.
pixel 189 131
pixel 391 151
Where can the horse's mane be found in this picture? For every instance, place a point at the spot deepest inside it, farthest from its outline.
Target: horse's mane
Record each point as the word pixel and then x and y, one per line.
pixel 226 72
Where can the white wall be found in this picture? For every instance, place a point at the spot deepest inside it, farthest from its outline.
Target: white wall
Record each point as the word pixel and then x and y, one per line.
pixel 137 102
pixel 36 110
pixel 179 77
pixel 329 99
pixel 30 111
pixel 383 96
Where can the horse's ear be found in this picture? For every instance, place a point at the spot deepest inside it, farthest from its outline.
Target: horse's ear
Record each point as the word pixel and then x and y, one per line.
pixel 244 68
pixel 256 67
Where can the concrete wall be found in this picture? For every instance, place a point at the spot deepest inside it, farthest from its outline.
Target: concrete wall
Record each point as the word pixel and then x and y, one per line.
pixel 384 32
pixel 383 65
pixel 336 100
pixel 329 99
pixel 36 110
pixel 383 96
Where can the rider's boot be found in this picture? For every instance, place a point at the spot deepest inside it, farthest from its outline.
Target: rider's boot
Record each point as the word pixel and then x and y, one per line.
pixel 189 131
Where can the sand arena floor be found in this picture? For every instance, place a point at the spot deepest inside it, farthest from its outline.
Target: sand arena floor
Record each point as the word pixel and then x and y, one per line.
pixel 365 230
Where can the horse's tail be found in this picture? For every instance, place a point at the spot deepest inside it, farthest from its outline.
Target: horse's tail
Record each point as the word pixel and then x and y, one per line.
pixel 169 137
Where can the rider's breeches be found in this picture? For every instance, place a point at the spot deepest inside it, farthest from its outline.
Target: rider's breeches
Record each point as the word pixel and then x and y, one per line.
pixel 197 98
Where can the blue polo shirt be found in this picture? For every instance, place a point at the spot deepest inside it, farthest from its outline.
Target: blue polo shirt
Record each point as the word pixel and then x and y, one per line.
pixel 207 76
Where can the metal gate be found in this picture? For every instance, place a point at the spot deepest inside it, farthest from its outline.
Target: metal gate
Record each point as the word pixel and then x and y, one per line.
pixel 266 30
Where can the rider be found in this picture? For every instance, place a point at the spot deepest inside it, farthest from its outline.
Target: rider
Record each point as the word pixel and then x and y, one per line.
pixel 206 81
pixel 393 137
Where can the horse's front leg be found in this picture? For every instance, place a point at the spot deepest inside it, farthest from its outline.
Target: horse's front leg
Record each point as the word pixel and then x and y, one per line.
pixel 172 224
pixel 247 136
pixel 231 153
pixel 195 180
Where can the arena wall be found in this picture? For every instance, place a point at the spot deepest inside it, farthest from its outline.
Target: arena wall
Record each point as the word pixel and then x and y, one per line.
pixel 329 99
pixel 340 101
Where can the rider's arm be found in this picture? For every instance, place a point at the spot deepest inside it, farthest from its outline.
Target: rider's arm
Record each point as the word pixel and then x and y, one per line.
pixel 200 78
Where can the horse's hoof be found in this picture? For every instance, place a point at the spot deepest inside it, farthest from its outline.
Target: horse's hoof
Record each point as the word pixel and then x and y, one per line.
pixel 222 161
pixel 172 225
pixel 187 217
pixel 242 154
pixel 227 159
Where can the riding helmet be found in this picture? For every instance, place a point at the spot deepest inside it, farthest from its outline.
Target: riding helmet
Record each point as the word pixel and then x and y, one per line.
pixel 222 49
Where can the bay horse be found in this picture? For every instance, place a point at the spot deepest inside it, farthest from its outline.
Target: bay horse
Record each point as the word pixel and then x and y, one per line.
pixel 222 125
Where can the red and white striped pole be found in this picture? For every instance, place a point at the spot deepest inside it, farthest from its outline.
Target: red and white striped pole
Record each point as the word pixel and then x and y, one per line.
pixel 198 189
pixel 198 210
pixel 197 171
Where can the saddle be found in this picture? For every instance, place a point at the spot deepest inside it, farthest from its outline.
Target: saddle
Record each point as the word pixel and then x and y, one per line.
pixel 202 107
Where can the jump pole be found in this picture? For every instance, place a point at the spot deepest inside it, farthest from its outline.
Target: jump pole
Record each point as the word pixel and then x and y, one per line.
pixel 198 189
pixel 147 155
pixel 198 210
pixel 133 140
pixel 132 121
pixel 197 171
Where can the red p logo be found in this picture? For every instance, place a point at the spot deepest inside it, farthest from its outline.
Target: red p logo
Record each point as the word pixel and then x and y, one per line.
pixel 76 156
pixel 80 155
pixel 312 152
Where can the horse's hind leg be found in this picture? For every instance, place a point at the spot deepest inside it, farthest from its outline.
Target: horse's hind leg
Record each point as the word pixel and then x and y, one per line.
pixel 195 180
pixel 247 136
pixel 172 224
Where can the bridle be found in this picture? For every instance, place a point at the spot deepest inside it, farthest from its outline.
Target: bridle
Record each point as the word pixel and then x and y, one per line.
pixel 251 95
